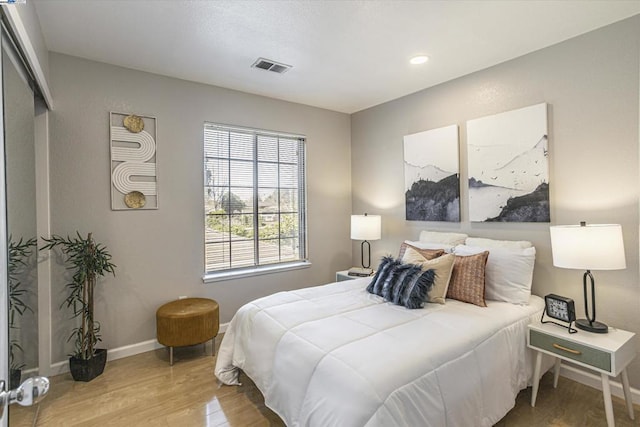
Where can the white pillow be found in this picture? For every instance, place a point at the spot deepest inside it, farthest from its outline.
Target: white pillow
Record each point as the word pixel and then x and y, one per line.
pixel 441 237
pixel 491 243
pixel 508 274
pixel 429 245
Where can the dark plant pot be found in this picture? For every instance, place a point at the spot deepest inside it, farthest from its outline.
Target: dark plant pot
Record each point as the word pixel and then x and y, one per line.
pixel 14 378
pixel 86 370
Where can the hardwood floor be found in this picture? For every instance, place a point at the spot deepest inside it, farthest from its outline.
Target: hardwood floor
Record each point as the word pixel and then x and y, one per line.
pixel 143 390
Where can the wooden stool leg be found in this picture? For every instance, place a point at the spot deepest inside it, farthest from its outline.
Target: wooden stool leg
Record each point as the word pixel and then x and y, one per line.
pixel 213 346
pixel 170 356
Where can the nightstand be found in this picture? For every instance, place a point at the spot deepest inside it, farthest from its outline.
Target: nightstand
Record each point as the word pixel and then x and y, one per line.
pixel 608 354
pixel 344 275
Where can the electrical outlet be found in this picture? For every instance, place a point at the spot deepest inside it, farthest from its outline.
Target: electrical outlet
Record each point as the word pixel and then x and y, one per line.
pixel 182 297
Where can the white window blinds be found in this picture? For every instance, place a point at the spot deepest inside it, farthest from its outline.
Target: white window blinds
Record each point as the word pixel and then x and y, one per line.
pixel 254 198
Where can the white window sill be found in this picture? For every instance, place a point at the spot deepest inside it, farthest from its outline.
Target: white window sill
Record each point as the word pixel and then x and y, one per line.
pixel 257 271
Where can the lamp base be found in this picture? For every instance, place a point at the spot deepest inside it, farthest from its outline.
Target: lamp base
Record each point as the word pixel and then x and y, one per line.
pixel 596 327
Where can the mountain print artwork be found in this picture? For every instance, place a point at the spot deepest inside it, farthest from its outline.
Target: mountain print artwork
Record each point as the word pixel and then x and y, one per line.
pixel 508 166
pixel 431 175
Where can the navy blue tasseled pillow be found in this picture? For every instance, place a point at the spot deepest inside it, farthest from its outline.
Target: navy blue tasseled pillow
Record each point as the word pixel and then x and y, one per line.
pixel 402 284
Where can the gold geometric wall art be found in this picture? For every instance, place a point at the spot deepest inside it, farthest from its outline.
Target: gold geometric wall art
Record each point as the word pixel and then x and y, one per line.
pixel 134 179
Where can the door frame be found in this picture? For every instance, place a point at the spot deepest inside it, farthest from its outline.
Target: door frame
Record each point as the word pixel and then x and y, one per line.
pixel 4 281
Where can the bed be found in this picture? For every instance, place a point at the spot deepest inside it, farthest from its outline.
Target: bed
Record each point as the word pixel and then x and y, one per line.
pixel 337 355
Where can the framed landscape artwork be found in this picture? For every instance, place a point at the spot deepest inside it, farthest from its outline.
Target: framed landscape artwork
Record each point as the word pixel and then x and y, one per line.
pixel 509 166
pixel 432 175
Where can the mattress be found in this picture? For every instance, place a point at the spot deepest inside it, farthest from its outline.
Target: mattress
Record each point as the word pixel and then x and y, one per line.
pixel 336 355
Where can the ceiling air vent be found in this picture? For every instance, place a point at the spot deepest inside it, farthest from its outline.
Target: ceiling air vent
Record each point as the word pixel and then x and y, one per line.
pixel 269 65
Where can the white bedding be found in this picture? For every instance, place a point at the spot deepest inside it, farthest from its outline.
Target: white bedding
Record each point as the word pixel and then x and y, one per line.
pixel 336 355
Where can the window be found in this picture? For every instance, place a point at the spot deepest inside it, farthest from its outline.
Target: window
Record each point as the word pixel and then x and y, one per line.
pixel 254 198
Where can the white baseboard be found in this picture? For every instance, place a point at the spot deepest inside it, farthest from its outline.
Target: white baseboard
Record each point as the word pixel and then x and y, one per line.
pixel 58 368
pixel 121 352
pixel 595 381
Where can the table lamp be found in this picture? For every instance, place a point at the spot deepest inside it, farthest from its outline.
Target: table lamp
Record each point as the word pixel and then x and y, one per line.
pixel 588 247
pixel 365 227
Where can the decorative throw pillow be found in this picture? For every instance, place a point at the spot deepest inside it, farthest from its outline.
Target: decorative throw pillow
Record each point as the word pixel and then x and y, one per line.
pixel 509 272
pixel 402 284
pixel 383 274
pixel 442 267
pixel 409 285
pixel 467 279
pixel 427 253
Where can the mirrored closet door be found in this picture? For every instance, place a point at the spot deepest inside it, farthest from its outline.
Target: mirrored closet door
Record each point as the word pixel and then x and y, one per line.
pixel 18 104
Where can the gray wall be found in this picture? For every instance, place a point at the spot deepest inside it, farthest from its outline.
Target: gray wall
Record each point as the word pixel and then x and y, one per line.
pixel 591 84
pixel 159 254
pixel 29 17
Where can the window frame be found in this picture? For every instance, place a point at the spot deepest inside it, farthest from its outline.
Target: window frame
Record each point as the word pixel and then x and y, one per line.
pixel 256 268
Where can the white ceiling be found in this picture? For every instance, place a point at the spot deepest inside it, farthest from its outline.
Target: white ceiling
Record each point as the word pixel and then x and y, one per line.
pixel 346 55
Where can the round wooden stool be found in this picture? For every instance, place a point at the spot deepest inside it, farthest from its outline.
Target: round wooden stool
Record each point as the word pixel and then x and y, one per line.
pixel 187 321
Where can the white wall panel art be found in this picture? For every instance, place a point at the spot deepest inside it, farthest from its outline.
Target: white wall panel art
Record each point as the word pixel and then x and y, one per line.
pixel 431 175
pixel 134 180
pixel 509 166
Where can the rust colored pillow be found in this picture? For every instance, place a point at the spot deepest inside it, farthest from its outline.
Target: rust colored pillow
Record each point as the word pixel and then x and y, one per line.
pixel 467 279
pixel 427 253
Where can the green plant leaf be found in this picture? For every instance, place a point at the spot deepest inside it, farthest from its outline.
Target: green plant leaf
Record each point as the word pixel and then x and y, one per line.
pixel 88 260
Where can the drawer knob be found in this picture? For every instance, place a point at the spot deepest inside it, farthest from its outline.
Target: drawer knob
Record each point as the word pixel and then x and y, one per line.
pixel 568 350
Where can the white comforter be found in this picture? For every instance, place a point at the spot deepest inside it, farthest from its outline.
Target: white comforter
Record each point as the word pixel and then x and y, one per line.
pixel 336 355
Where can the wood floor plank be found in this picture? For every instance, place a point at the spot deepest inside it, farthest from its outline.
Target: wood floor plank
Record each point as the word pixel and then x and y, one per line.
pixel 143 390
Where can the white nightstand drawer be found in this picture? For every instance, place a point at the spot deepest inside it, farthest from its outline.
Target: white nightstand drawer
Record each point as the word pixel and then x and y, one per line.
pixel 571 350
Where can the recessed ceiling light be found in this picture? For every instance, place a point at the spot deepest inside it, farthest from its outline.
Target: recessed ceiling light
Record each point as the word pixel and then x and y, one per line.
pixel 420 59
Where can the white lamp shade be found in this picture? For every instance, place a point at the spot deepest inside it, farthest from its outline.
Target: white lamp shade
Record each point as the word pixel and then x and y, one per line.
pixel 588 247
pixel 366 227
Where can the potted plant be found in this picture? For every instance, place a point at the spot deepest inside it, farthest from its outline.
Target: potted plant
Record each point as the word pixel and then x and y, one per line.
pixel 18 254
pixel 88 260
